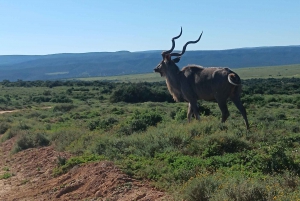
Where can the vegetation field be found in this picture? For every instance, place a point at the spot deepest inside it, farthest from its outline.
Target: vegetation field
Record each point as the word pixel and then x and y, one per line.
pixel 141 129
pixel 287 71
pixel 147 77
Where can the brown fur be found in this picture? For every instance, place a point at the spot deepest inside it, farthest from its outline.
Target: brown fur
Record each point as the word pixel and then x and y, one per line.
pixel 177 96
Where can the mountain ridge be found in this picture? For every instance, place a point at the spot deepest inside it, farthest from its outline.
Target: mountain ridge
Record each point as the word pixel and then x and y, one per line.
pixel 44 67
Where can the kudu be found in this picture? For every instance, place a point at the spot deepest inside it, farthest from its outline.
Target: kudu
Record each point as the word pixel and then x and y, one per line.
pixel 194 83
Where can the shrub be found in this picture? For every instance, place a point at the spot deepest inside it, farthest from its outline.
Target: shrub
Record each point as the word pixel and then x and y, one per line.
pixel 103 124
pixel 11 133
pixel 201 189
pixel 135 93
pixel 117 111
pixel 235 186
pixel 64 138
pixel 40 99
pixel 107 123
pixel 271 159
pixel 4 127
pixel 93 125
pixel 63 108
pixel 3 100
pixel 297 103
pixel 47 92
pixel 181 115
pixel 65 165
pixel 61 99
pixel 140 121
pixel 27 141
pixel 23 126
pixel 246 191
pixel 220 144
pixel 138 125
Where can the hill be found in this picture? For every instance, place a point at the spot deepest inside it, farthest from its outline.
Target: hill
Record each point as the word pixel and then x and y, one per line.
pixel 74 65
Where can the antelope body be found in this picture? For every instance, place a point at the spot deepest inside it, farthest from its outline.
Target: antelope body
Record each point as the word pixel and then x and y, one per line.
pixel 194 83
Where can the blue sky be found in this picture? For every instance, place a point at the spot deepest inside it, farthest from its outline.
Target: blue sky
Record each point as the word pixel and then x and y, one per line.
pixel 41 27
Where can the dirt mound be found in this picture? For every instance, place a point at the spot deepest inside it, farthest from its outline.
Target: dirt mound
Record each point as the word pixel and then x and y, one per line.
pixel 32 179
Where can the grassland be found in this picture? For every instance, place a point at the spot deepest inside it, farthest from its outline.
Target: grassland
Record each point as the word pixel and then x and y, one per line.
pixel 287 71
pixel 57 73
pixel 137 126
pixel 147 77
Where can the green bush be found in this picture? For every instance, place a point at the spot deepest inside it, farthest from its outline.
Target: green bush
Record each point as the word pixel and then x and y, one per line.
pixel 61 99
pixel 219 144
pixel 181 115
pixel 23 126
pixel 107 123
pixel 117 111
pixel 65 165
pixel 12 132
pixel 4 127
pixel 141 92
pixel 247 192
pixel 63 107
pixel 30 140
pixel 201 189
pixel 233 185
pixel 271 159
pixel 102 124
pixel 40 99
pixel 93 125
pixel 139 121
pixel 63 138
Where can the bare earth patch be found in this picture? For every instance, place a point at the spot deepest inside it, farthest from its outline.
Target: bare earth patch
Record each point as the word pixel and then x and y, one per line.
pixel 32 179
pixel 8 111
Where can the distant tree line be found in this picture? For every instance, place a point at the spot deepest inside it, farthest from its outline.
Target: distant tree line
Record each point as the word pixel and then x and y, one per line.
pixel 272 86
pixel 156 91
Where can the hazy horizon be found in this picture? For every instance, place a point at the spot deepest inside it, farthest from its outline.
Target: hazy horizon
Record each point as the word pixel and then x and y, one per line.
pixel 138 51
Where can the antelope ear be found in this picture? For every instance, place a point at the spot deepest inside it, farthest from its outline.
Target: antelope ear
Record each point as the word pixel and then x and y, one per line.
pixel 176 60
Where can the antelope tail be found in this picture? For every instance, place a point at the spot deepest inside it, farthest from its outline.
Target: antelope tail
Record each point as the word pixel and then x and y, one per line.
pixel 234 79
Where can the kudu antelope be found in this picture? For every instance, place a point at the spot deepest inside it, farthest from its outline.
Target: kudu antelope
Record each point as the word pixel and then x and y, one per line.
pixel 194 83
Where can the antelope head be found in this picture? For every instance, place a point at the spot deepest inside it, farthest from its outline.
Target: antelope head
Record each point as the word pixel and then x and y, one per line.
pixel 167 62
pixel 162 66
